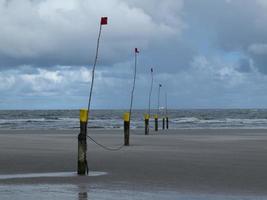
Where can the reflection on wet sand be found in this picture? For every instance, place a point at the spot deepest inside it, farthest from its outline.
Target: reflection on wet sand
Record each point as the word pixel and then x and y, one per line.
pixel 86 191
pixel 82 196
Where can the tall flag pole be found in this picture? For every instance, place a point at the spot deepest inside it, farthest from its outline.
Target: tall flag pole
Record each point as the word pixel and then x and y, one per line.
pixel 159 97
pixel 150 92
pixel 166 111
pixel 166 105
pixel 84 115
pixel 136 52
pixel 103 21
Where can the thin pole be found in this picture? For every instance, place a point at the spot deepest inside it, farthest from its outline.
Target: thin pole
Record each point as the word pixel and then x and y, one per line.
pixel 93 71
pixel 132 94
pixel 150 92
pixel 166 111
pixel 166 105
pixel 159 97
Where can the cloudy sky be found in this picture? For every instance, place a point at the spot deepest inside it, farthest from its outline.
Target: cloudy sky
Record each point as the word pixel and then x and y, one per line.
pixel 206 54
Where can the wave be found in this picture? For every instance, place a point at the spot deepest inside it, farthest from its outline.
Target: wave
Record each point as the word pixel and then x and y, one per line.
pixel 247 121
pixel 185 120
pixel 37 120
pixel 115 122
pixel 193 122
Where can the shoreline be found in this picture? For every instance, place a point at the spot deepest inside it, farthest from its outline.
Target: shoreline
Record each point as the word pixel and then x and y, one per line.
pixel 138 131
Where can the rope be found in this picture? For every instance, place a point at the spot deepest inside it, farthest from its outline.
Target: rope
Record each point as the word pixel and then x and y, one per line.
pixel 105 147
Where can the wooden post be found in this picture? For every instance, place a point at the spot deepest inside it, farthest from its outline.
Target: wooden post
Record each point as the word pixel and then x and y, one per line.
pixel 163 123
pixel 126 129
pixel 167 122
pixel 82 144
pixel 147 124
pixel 156 123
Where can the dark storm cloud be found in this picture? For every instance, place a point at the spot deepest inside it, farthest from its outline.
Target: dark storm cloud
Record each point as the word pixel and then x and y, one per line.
pixel 48 33
pixel 244 65
pixel 168 56
pixel 206 53
pixel 237 25
pixel 57 32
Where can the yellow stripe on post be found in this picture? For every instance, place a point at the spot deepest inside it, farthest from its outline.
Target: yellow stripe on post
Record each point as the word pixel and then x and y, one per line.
pixel 156 116
pixel 83 115
pixel 147 116
pixel 126 117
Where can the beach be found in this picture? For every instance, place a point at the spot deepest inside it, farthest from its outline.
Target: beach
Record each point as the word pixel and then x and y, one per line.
pixel 174 164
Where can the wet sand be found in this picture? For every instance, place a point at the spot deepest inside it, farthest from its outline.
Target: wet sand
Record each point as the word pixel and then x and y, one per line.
pixel 184 162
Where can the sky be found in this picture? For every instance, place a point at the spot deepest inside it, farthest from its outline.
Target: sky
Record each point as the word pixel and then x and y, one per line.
pixel 206 54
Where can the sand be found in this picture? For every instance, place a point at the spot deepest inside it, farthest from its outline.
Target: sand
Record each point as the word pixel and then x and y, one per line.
pixel 184 162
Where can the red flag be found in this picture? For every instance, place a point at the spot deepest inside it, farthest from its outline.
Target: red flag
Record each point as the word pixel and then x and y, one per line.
pixel 104 20
pixel 136 50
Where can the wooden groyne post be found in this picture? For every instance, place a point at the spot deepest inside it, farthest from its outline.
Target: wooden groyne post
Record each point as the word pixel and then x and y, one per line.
pixel 82 144
pixel 167 123
pixel 156 122
pixel 163 123
pixel 147 124
pixel 126 118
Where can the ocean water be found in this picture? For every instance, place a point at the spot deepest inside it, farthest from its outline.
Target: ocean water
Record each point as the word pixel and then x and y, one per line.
pixel 112 119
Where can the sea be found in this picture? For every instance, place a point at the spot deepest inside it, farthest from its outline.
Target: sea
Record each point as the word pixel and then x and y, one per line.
pixel 113 119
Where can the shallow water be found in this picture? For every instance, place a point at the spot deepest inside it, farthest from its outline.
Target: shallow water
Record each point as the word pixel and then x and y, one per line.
pixel 72 192
pixel 44 175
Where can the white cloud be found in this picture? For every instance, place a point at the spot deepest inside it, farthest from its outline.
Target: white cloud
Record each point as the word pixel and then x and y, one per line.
pixel 66 31
pixel 208 82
